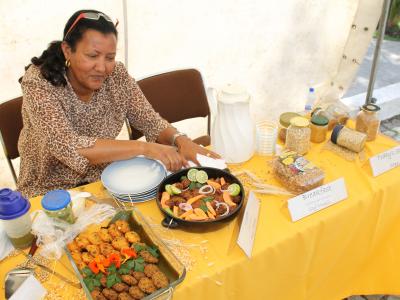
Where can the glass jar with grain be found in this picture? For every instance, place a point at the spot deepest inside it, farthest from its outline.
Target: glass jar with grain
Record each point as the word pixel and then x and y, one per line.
pixel 348 138
pixel 298 135
pixel 284 123
pixel 319 128
pixel 367 121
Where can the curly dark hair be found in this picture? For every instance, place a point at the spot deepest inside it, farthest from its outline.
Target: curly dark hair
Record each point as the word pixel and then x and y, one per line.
pixel 52 60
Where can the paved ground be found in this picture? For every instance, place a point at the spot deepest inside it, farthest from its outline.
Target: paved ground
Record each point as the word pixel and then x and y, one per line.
pixel 388 70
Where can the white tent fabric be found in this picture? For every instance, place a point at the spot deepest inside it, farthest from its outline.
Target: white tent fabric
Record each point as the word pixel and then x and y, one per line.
pixel 277 49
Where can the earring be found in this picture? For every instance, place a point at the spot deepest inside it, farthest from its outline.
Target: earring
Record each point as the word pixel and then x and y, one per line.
pixel 67 63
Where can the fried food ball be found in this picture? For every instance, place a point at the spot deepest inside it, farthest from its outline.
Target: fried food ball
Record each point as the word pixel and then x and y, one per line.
pixel 124 296
pixel 146 285
pixel 129 279
pixel 132 237
pixel 122 226
pixel 110 294
pixel 148 257
pixel 81 265
pixel 86 257
pixel 136 293
pixel 106 249
pixel 73 246
pixel 94 238
pixel 120 287
pixel 97 295
pixel 113 231
pixel 76 256
pixel 103 281
pixel 160 280
pixel 120 243
pixel 150 269
pixel 81 242
pixel 137 275
pixel 104 235
pixel 94 250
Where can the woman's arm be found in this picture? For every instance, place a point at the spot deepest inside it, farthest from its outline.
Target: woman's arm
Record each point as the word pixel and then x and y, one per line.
pixel 105 151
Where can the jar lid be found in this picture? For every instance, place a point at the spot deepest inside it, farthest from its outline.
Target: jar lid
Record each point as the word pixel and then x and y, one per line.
pixel 12 204
pixel 319 120
pixel 285 118
pixel 316 110
pixel 335 133
pixel 56 200
pixel 299 122
pixel 370 107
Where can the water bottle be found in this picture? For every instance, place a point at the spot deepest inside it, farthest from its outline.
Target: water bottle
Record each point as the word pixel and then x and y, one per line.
pixel 311 99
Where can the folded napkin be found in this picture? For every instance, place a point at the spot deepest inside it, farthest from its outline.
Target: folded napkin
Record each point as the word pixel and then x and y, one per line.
pixel 30 289
pixel 5 244
pixel 206 161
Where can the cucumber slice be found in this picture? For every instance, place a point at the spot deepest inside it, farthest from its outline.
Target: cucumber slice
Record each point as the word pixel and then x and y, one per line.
pixel 175 190
pixel 234 189
pixel 192 174
pixel 168 189
pixel 201 176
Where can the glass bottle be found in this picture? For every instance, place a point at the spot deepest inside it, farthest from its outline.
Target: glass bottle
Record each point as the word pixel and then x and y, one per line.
pixel 367 121
pixel 298 135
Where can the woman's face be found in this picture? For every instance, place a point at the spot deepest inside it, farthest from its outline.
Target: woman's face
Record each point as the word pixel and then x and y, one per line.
pixel 93 59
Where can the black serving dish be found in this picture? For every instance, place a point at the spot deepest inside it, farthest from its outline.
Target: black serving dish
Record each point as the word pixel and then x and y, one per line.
pixel 172 222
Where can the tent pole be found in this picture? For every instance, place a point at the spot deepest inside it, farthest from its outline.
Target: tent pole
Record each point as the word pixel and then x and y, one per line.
pixel 381 34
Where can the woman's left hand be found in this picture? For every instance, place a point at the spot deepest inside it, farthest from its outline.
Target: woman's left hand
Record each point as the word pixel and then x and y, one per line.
pixel 189 149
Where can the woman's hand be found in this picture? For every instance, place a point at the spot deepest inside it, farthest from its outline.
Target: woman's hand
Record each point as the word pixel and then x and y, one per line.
pixel 189 149
pixel 168 155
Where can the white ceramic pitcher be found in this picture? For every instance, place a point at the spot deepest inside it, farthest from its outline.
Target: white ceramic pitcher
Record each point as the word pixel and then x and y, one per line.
pixel 233 130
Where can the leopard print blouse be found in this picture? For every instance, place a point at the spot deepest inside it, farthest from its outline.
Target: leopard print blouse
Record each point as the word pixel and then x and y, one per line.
pixel 56 124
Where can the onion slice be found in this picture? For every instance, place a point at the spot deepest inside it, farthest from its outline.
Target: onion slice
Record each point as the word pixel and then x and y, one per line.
pixel 223 204
pixel 185 206
pixel 206 189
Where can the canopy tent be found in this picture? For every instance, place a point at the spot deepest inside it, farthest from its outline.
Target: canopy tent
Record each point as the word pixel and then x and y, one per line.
pixel 276 49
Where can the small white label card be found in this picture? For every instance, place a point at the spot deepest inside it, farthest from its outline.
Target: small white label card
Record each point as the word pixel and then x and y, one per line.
pixel 385 161
pixel 317 199
pixel 248 228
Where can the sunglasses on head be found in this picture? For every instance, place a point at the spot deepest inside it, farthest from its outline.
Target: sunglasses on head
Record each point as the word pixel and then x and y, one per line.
pixel 91 16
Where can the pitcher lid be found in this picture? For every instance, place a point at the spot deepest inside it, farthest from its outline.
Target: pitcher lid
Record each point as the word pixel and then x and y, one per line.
pixel 12 204
pixel 233 93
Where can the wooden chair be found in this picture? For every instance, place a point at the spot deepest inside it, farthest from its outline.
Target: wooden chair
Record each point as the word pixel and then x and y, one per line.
pixel 177 96
pixel 10 128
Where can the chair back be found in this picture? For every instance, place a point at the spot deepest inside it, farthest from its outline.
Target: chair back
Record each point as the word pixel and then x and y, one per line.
pixel 11 126
pixel 176 96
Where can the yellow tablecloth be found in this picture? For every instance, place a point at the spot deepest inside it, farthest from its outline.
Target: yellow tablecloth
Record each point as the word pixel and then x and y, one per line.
pixel 347 249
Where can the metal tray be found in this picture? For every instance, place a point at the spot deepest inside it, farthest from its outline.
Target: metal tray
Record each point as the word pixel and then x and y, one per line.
pixel 168 262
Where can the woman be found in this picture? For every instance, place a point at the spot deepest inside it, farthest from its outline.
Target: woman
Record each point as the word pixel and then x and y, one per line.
pixel 75 100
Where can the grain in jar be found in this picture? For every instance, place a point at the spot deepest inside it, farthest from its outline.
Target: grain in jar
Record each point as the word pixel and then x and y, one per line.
pixel 284 123
pixel 298 135
pixel 367 121
pixel 348 138
pixel 319 128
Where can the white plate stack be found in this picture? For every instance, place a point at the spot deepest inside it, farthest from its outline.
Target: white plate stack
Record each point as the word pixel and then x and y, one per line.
pixel 133 180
